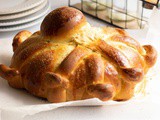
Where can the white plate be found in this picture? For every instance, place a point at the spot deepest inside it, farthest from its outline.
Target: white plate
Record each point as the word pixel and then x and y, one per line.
pixel 22 26
pixel 25 13
pixel 14 6
pixel 26 19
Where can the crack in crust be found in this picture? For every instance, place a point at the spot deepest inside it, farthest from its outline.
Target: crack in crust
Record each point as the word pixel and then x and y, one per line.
pixel 94 69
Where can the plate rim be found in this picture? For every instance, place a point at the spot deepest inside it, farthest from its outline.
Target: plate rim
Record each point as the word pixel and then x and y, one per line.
pixel 30 18
pixel 15 9
pixel 20 27
pixel 23 14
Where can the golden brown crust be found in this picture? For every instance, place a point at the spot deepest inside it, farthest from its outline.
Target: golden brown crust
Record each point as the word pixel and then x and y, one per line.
pixel 132 74
pixel 151 55
pixel 19 38
pixel 61 21
pixel 56 95
pixel 111 74
pixel 102 91
pixel 114 54
pixel 94 69
pixel 127 40
pixel 71 60
pixel 106 63
pixel 11 75
pixel 116 31
pixel 30 51
pixel 54 80
pixel 35 70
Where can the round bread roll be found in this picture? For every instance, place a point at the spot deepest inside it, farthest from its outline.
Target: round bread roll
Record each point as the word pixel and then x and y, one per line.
pixel 62 22
pixel 70 60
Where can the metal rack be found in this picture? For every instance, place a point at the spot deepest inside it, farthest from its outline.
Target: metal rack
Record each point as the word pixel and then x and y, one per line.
pixel 131 21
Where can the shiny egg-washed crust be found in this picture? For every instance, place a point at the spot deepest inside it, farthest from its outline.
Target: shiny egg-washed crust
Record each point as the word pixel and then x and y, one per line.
pixel 70 60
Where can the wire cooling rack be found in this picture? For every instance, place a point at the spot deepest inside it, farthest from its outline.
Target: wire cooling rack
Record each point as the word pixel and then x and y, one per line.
pixel 128 14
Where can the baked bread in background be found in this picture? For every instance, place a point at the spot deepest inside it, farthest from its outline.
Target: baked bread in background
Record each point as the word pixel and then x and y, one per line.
pixel 70 60
pixel 150 3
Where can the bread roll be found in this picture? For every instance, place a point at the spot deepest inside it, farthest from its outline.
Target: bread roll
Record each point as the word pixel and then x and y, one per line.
pixel 70 60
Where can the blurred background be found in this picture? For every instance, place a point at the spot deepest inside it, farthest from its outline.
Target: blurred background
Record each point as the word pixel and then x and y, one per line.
pixel 130 14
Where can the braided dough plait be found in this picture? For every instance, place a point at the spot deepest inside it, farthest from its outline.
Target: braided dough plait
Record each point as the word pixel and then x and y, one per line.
pixel 70 60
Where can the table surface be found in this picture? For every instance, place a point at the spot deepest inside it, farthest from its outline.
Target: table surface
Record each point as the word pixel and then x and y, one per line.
pixel 131 111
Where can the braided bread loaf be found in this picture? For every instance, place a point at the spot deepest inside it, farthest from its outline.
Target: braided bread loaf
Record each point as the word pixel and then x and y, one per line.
pixel 70 60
